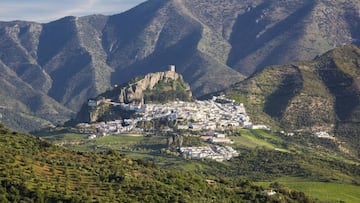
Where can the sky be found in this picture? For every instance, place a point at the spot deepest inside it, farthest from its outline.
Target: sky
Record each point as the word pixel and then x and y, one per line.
pixel 48 10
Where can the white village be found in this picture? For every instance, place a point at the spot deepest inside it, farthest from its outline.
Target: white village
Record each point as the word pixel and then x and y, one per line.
pixel 207 118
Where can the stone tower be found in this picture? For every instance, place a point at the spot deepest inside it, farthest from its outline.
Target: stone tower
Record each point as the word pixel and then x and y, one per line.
pixel 172 68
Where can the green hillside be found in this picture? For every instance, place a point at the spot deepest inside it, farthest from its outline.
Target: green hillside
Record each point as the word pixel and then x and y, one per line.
pixel 306 97
pixel 33 170
pixel 298 163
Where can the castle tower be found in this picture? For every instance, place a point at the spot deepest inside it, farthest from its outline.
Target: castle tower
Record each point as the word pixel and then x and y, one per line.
pixel 172 68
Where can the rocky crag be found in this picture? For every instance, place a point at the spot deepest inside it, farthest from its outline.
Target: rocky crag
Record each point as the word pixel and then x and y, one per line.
pixel 142 89
pixel 122 101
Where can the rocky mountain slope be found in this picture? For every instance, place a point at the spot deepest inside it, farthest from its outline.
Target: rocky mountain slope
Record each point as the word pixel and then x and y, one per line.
pixel 121 101
pixel 24 107
pixel 213 44
pixel 318 95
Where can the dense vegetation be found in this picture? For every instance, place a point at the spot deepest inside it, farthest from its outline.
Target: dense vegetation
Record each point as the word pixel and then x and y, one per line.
pixel 34 170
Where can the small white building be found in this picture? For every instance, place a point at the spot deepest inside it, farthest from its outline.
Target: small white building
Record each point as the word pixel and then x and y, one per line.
pixel 219 135
pixel 269 192
pixel 323 134
pixel 92 103
pixel 256 127
pixel 92 136
pixel 221 140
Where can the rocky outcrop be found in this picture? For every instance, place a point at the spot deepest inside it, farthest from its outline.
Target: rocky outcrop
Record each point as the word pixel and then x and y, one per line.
pixel 136 91
pixel 174 141
pixel 122 101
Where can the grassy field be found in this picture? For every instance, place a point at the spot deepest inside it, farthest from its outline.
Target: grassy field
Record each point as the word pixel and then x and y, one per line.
pixel 248 139
pixel 133 146
pixel 329 192
pixel 66 137
pixel 267 135
pixel 251 142
pixel 258 138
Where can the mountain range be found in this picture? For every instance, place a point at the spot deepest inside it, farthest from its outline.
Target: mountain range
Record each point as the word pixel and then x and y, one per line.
pixel 48 70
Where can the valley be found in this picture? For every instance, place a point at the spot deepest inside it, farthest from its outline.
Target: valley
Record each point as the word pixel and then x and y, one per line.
pixel 184 101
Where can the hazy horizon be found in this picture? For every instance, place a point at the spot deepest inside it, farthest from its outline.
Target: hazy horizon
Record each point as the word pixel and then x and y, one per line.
pixel 48 10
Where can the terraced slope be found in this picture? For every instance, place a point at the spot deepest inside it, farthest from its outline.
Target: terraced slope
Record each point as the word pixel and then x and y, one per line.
pixel 33 170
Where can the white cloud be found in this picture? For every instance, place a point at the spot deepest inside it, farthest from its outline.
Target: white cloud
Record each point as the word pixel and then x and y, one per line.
pixel 47 10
